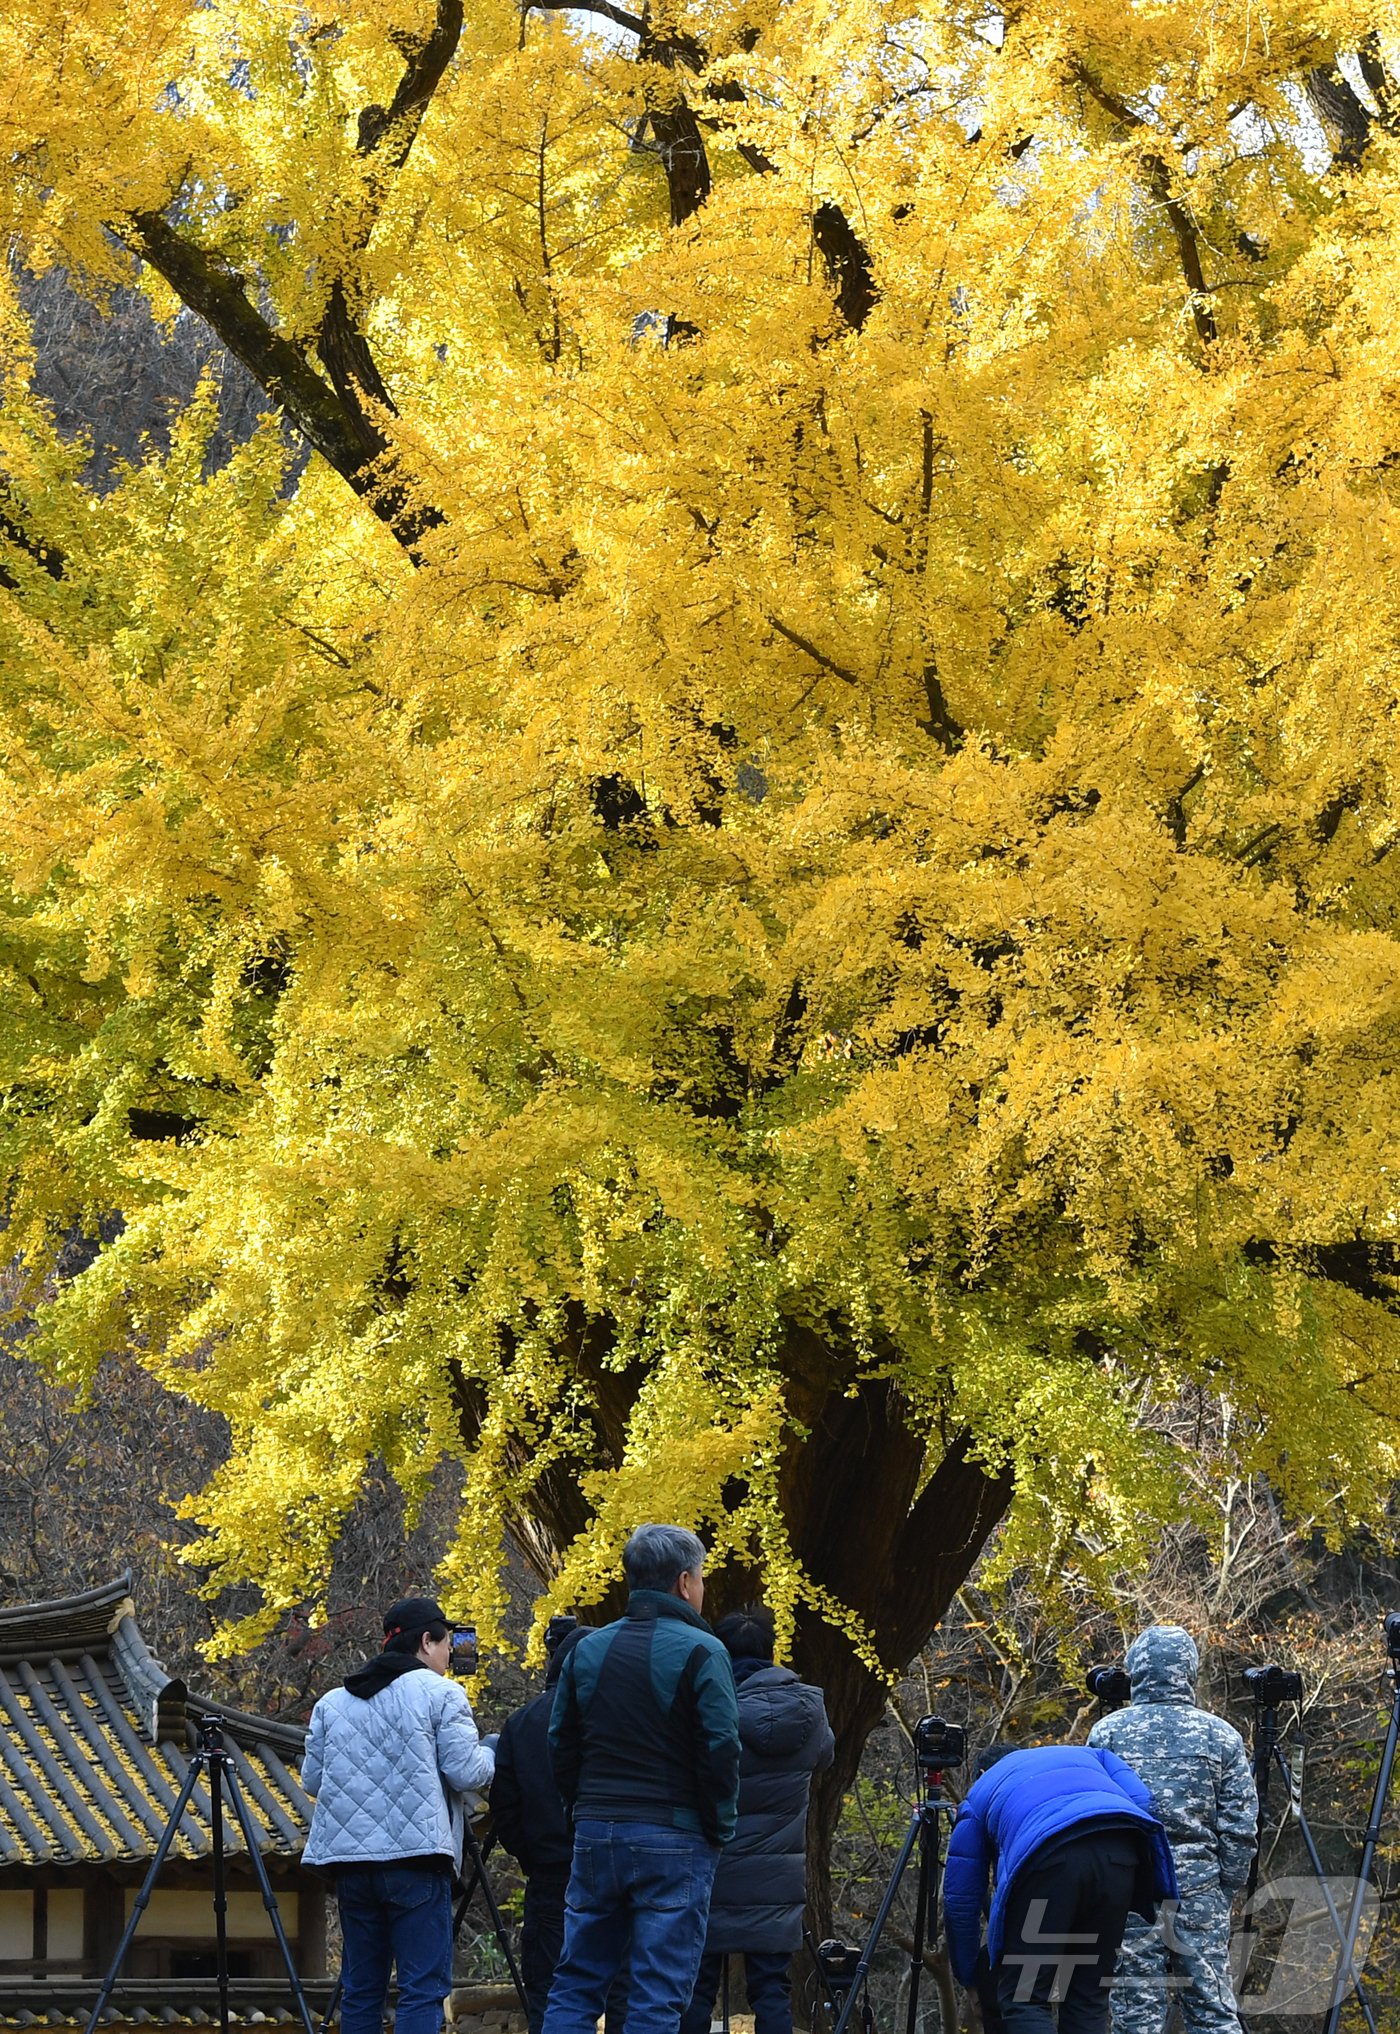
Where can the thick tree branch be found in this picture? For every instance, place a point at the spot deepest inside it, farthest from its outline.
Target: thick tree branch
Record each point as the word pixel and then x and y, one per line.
pixel 847 263
pixel 1345 120
pixel 344 353
pixel 206 283
pixel 681 146
pixel 385 136
pixel 672 121
pixel 399 122
pixel 336 419
pixel 946 731
pixel 219 295
pixel 959 1490
pixel 1379 82
pixel 1369 1267
pixel 1158 179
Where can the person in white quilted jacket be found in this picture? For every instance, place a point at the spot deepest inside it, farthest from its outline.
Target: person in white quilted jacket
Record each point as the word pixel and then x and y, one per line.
pixel 391 1757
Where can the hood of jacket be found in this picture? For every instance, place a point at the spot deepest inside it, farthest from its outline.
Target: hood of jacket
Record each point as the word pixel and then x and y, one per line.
pixel 561 1652
pixel 1163 1665
pixel 777 1712
pixel 366 1681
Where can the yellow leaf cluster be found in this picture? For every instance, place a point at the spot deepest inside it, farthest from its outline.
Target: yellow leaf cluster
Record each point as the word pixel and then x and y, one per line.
pixel 860 821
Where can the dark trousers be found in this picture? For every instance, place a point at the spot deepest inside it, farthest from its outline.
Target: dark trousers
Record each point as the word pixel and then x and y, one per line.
pixel 541 1941
pixel 766 1981
pixel 1064 1922
pixel 542 1945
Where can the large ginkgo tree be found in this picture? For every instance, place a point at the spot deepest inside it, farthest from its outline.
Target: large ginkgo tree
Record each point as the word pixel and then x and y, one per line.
pixel 764 894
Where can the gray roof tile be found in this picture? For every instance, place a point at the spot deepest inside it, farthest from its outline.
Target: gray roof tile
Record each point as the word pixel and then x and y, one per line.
pixel 95 1740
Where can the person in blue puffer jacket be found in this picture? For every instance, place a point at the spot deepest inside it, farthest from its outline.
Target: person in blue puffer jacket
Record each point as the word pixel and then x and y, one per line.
pixel 1077 1846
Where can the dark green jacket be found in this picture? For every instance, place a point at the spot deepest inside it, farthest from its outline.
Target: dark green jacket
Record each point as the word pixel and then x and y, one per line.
pixel 645 1725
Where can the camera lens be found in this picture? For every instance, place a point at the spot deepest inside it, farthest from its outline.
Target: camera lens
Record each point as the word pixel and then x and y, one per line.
pixel 1109 1685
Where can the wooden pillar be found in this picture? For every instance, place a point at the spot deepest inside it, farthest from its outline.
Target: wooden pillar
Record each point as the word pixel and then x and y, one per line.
pixel 311 1925
pixel 104 1916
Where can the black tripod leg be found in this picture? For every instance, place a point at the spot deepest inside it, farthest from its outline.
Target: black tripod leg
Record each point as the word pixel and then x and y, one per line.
pixel 916 1954
pixel 1345 1969
pixel 867 1954
pixel 269 1900
pixel 332 2003
pixel 1261 1764
pixel 503 1939
pixel 142 1900
pixel 216 1823
pixel 1363 1871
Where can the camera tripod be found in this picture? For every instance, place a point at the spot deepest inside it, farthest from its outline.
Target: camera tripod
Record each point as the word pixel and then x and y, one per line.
pixel 1372 1837
pixel 923 1836
pixel 210 1758
pixel 476 1854
pixel 1266 1754
pixel 833 1967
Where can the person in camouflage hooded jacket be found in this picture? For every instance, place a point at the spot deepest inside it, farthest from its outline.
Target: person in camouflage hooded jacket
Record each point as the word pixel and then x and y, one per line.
pixel 1197 1769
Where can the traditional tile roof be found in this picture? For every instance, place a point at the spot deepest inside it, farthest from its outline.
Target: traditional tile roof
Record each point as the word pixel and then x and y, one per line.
pixel 95 1743
pixel 171 2002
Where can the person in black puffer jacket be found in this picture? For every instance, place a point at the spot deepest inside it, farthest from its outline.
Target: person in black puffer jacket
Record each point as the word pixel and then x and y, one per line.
pixel 761 1883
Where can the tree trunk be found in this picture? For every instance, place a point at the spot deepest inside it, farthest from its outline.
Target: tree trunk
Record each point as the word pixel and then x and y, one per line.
pixel 884 1537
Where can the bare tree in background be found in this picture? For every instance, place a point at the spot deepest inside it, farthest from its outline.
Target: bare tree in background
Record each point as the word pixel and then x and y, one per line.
pixel 115 376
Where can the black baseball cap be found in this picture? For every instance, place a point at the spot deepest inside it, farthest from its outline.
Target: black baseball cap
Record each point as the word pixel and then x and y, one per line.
pixel 411 1616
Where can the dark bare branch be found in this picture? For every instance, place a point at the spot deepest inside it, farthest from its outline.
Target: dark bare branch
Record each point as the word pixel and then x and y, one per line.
pixel 427 63
pixel 46 556
pixel 1159 182
pixel 631 22
pixel 809 649
pixel 341 434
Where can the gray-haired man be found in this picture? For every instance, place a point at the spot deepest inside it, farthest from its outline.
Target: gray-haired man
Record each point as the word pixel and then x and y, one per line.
pixel 645 1743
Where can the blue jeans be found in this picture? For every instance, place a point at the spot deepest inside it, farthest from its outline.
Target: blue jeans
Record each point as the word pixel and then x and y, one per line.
pixel 637 1891
pixel 393 1917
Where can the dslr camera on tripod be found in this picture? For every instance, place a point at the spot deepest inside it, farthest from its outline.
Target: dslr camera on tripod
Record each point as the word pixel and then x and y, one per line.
pixel 938 1745
pixel 1110 1686
pixel 1271 1685
pixel 839 1963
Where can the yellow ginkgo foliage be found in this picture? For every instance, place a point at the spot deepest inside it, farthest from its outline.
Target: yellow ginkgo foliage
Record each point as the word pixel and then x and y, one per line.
pixel 764 895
